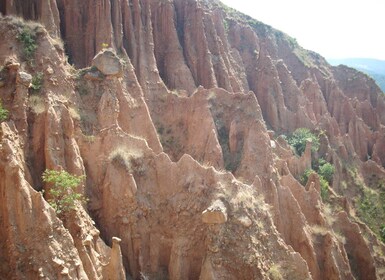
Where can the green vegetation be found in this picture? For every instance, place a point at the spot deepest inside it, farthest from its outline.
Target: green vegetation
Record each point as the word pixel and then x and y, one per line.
pixel 324 189
pixel 274 273
pixel 382 233
pixel 323 182
pixel 63 195
pixel 27 37
pixel 3 113
pixel 305 176
pixel 371 209
pixel 299 139
pixel 37 81
pixel 326 170
pixel 369 202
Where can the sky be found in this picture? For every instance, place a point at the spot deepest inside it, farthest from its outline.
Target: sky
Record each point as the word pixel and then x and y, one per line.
pixel 332 28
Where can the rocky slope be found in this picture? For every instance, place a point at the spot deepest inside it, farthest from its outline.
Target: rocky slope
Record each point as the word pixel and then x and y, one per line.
pixel 178 127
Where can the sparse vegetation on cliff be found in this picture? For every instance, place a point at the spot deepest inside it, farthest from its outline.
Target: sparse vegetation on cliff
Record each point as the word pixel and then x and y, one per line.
pixel 326 170
pixel 371 209
pixel 300 137
pixel 167 193
pixel 3 113
pixel 36 103
pixel 130 160
pixel 63 196
pixel 323 182
pixel 27 37
pixel 37 81
pixel 382 233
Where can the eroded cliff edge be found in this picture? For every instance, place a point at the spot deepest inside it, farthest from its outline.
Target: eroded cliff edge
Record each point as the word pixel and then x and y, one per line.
pixel 181 146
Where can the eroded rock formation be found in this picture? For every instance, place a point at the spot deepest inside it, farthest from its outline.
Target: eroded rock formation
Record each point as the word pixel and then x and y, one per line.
pixel 178 128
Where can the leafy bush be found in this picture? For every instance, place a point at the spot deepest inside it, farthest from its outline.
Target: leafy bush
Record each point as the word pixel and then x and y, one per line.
pixel 37 81
pixel 28 39
pixel 299 139
pixel 327 171
pixel 3 113
pixel 324 188
pixel 63 195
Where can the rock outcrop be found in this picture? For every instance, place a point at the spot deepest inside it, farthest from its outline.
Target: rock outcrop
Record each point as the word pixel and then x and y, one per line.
pixel 179 125
pixel 107 62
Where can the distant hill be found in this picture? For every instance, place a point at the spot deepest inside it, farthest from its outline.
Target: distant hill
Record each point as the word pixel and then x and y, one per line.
pixel 373 67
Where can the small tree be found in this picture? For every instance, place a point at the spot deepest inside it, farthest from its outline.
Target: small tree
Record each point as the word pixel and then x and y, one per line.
pixel 63 195
pixel 3 113
pixel 327 170
pixel 299 138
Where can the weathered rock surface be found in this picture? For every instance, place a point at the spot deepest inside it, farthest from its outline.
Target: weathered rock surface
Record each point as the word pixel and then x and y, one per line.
pixel 184 179
pixel 216 213
pixel 108 63
pixel 24 78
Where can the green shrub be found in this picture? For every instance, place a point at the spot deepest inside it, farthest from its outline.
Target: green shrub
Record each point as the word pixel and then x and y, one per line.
pixel 327 171
pixel 324 188
pixel 63 195
pixel 37 81
pixel 299 139
pixel 371 209
pixel 28 38
pixel 3 113
pixel 323 183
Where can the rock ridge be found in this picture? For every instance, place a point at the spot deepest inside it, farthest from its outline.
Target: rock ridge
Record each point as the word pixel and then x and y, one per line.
pixel 181 130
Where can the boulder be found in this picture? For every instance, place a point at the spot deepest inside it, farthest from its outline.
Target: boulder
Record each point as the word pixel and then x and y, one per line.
pixel 24 78
pixel 216 213
pixel 108 63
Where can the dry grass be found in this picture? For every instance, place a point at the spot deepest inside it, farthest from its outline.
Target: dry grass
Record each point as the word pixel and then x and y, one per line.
pixel 74 113
pixel 211 95
pixel 89 138
pixel 36 104
pixel 340 237
pixel 129 159
pixel 328 215
pixel 320 230
pixel 275 273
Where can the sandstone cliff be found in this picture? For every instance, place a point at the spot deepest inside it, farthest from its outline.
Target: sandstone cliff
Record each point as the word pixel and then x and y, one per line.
pixel 176 111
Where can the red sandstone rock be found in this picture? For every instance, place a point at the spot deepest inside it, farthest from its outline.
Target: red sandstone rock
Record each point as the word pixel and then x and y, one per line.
pixel 175 132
